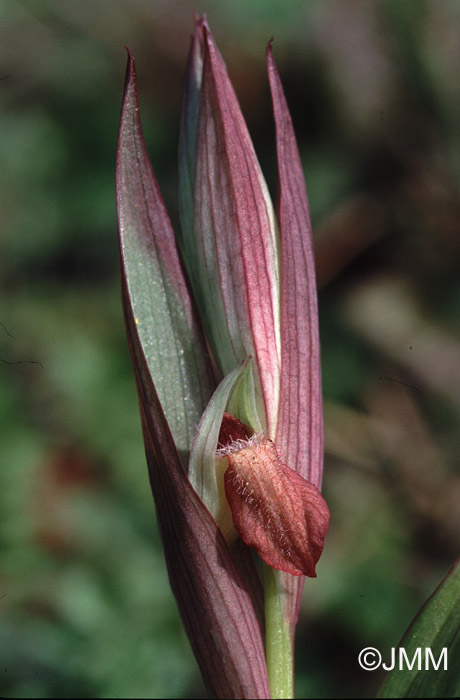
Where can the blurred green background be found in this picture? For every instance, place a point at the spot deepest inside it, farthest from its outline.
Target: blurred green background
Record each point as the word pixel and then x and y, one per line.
pixel 85 606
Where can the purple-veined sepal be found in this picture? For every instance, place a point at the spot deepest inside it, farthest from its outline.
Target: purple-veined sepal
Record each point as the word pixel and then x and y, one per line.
pixel 234 269
pixel 299 432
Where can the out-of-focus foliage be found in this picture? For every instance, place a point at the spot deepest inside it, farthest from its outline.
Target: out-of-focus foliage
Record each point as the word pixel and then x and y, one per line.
pixel 85 605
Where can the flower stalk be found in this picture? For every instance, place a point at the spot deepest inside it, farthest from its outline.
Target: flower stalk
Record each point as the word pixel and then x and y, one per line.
pixel 279 645
pixel 235 464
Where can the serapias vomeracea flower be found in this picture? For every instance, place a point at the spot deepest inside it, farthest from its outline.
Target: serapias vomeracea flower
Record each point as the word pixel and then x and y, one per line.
pixel 222 325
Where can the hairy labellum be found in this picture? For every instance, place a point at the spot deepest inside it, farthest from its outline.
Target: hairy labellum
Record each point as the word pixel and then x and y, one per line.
pixel 275 511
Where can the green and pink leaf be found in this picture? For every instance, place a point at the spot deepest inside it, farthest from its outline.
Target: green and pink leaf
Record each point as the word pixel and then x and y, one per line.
pixel 214 600
pixel 165 316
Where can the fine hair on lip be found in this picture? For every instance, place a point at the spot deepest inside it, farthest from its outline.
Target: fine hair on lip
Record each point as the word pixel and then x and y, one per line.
pixel 237 445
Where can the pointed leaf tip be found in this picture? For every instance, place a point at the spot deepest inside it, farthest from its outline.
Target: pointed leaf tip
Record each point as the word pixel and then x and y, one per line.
pixel 167 322
pixel 275 511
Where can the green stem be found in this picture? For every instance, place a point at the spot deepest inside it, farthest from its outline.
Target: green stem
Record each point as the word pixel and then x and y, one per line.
pixel 278 645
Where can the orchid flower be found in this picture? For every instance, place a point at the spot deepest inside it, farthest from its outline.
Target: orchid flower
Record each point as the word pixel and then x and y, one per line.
pixel 222 326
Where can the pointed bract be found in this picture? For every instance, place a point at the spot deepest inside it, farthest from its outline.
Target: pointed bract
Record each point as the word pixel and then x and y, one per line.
pixel 213 599
pixel 170 333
